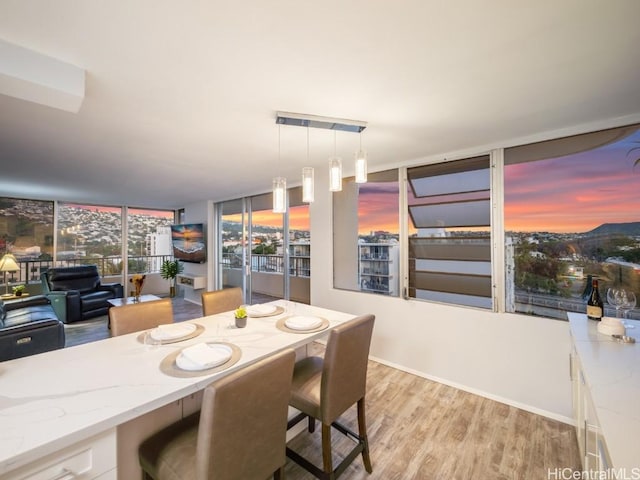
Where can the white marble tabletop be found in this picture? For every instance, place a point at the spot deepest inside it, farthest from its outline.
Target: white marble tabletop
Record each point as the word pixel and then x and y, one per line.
pixel 612 373
pixel 55 399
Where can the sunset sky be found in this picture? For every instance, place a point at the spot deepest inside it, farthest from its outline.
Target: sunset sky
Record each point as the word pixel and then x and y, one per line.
pixel 298 218
pixel 575 193
pixel 378 208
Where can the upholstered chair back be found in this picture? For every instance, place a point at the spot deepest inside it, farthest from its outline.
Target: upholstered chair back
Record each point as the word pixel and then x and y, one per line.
pixel 135 317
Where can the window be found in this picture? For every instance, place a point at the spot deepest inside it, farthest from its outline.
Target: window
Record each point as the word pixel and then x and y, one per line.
pixel 571 213
pixel 90 234
pixel 148 239
pixel 26 231
pixel 366 253
pixel 450 232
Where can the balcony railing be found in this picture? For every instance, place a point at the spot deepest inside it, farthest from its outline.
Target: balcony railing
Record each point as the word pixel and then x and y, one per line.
pixel 298 266
pixel 30 270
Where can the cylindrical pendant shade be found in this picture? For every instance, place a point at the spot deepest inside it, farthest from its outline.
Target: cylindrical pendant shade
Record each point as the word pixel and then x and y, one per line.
pixel 307 185
pixel 335 174
pixel 279 195
pixel 361 166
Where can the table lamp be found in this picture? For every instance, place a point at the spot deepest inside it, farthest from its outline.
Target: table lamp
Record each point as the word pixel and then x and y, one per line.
pixel 8 264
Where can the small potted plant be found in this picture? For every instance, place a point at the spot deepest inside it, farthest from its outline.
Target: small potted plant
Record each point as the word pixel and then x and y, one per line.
pixel 18 290
pixel 169 270
pixel 241 316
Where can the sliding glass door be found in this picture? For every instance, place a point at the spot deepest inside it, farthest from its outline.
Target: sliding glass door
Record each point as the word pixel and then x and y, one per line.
pixel 268 255
pixel 232 243
pixel 267 251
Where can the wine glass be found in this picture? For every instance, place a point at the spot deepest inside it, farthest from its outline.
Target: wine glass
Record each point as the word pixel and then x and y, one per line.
pixel 290 308
pixel 614 298
pixel 628 304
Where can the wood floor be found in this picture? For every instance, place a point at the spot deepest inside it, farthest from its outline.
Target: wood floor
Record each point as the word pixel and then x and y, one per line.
pixel 422 430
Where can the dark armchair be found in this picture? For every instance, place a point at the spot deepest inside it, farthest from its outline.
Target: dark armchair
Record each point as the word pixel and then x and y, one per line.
pixel 27 327
pixel 76 293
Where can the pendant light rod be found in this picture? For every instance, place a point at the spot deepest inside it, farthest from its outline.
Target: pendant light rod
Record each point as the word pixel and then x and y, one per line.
pixel 316 121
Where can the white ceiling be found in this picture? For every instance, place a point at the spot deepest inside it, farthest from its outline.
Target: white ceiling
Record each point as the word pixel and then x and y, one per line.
pixel 181 95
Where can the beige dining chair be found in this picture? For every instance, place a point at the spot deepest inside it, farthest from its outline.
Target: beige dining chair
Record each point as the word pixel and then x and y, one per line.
pixel 135 317
pixel 219 301
pixel 239 434
pixel 324 388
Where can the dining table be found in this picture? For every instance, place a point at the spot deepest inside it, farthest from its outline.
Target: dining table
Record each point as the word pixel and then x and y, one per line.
pixel 63 413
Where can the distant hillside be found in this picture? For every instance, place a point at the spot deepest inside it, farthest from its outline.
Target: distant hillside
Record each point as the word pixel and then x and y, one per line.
pixel 631 229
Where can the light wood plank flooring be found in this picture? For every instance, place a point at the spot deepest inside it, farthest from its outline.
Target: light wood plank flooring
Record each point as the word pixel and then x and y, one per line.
pixel 422 430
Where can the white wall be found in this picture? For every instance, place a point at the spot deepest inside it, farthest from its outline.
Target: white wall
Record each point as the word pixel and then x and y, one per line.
pixel 516 359
pixel 201 212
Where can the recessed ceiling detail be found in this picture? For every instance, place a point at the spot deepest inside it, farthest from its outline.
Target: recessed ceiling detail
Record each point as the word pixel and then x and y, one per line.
pixel 32 76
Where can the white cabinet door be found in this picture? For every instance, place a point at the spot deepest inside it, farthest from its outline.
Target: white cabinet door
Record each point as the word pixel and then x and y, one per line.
pixel 592 435
pixel 591 442
pixel 577 389
pixel 110 475
pixel 86 460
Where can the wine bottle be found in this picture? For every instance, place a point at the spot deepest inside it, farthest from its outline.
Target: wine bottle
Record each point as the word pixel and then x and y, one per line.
pixel 595 306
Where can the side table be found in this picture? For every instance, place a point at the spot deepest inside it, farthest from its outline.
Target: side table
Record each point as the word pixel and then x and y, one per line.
pixel 14 297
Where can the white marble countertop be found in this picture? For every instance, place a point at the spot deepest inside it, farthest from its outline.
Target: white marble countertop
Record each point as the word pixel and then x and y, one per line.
pixel 58 398
pixel 612 373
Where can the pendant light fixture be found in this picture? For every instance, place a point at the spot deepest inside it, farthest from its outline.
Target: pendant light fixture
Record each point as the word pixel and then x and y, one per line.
pixel 307 185
pixel 361 164
pixel 279 187
pixel 335 169
pixel 307 178
pixel 335 162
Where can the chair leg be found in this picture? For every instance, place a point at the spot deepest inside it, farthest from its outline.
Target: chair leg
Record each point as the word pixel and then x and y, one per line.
pixel 362 430
pixel 312 424
pixel 327 460
pixel 279 474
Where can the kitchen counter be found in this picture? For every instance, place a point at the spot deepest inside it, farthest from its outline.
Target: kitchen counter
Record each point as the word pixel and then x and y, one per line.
pixel 612 375
pixel 56 399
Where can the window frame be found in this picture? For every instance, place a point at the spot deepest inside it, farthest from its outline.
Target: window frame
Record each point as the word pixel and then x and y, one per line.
pixel 494 215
